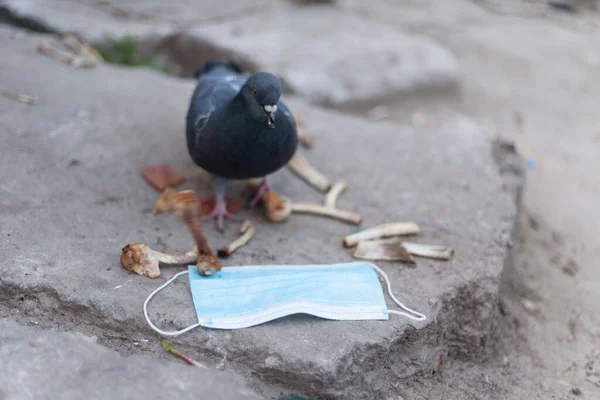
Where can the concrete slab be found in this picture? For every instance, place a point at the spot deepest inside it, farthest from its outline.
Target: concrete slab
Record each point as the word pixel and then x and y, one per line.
pixel 51 365
pixel 96 19
pixel 72 197
pixel 359 60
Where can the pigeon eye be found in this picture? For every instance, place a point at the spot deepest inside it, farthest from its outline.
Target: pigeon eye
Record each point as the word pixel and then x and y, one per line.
pixel 254 92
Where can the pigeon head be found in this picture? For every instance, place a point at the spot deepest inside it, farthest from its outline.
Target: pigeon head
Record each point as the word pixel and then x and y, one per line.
pixel 262 92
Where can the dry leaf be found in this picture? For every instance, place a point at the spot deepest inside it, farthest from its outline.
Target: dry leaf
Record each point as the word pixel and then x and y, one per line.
pixel 161 176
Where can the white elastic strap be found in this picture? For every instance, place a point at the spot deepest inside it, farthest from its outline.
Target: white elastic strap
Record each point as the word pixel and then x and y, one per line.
pixel 419 316
pixel 158 330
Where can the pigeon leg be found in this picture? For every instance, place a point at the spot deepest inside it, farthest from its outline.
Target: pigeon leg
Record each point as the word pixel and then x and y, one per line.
pixel 264 187
pixel 220 211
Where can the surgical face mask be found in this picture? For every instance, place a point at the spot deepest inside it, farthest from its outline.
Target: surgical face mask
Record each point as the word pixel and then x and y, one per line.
pixel 240 297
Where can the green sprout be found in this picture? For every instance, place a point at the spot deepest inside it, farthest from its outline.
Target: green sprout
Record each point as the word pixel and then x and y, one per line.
pixel 125 51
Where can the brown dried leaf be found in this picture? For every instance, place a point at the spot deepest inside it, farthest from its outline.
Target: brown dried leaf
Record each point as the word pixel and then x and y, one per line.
pixel 208 204
pixel 161 176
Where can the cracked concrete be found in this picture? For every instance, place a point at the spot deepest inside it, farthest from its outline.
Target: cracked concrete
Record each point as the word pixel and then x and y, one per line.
pixel 72 197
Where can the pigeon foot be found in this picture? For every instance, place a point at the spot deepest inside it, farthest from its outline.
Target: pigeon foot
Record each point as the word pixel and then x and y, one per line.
pixel 263 188
pixel 219 213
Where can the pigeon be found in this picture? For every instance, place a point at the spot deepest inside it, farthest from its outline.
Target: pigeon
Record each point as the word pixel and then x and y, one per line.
pixel 238 128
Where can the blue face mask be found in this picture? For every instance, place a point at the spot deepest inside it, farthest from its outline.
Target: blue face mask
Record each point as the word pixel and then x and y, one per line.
pixel 240 297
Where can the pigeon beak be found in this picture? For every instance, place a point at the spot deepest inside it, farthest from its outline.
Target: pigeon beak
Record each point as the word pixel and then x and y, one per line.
pixel 270 113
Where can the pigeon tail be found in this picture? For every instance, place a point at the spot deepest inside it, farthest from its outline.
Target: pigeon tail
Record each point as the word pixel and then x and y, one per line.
pixel 210 65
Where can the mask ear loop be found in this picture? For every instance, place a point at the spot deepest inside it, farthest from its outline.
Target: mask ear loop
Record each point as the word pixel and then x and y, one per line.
pixel 419 316
pixel 158 330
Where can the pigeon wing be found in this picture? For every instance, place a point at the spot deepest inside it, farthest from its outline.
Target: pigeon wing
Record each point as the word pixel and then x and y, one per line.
pixel 214 89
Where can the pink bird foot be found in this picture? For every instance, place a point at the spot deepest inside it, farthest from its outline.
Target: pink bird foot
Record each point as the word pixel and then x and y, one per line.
pixel 262 189
pixel 220 213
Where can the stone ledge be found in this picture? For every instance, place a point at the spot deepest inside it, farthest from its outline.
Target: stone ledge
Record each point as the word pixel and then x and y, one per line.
pixel 50 365
pixel 67 223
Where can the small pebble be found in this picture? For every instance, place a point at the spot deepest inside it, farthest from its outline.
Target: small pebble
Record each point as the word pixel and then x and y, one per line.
pixel 379 112
pixel 571 268
pixel 530 306
pixel 533 223
pixel 417 119
pixel 300 238
pixel 576 391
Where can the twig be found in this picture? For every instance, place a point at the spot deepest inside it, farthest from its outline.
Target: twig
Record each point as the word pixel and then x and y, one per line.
pixel 320 209
pixel 305 141
pixel 299 166
pixel 23 98
pixel 173 202
pixel 168 346
pixel 335 192
pixel 277 208
pixel 438 361
pixel 381 231
pixel 74 44
pixel 80 48
pixel 84 62
pixel 59 55
pixel 247 232
pixel 86 58
pixel 142 260
pixel 186 205
pixel 280 208
pixel 429 251
pixel 207 263
pixel 394 249
pixel 384 249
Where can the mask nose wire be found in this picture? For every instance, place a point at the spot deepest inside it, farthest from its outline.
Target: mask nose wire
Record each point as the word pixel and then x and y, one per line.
pixel 419 316
pixel 151 295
